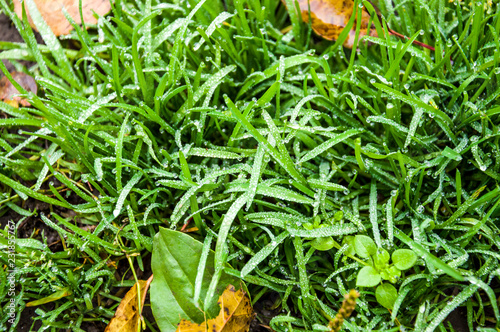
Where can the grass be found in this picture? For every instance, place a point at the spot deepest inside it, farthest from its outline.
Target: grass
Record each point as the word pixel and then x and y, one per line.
pixel 252 135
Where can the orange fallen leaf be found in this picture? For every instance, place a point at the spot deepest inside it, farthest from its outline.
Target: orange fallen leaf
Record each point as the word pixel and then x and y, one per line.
pixel 235 314
pixel 127 316
pixel 51 11
pixel 329 18
pixel 8 93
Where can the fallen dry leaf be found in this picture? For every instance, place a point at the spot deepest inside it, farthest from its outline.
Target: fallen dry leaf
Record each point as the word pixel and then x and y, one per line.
pixel 329 18
pixel 235 314
pixel 8 93
pixel 127 315
pixel 51 11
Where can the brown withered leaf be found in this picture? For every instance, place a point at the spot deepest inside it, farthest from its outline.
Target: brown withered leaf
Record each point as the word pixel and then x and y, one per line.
pixel 329 18
pixel 9 94
pixel 127 316
pixel 51 11
pixel 235 314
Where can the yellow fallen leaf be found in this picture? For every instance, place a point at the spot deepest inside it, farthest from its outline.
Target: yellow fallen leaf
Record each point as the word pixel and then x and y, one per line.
pixel 128 316
pixel 51 11
pixel 329 18
pixel 235 314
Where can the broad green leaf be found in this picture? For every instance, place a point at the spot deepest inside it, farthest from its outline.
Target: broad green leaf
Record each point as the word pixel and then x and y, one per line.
pixel 349 240
pixel 368 277
pixel 404 259
pixel 175 265
pixel 364 246
pixel 386 294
